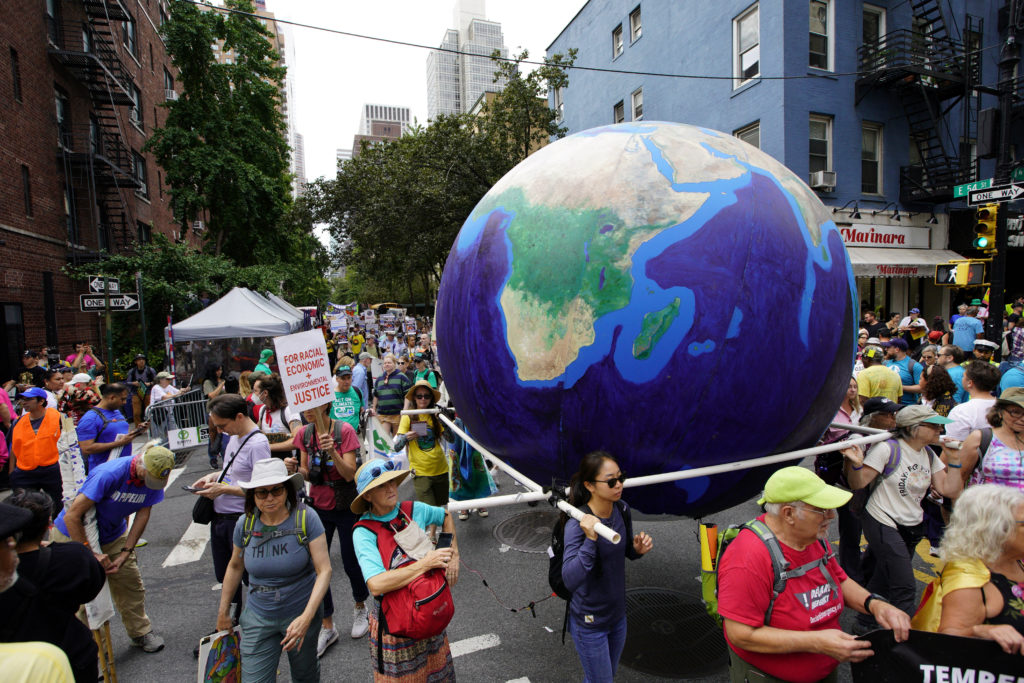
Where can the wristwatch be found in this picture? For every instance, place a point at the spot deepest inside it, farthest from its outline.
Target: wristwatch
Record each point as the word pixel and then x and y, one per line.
pixel 869 599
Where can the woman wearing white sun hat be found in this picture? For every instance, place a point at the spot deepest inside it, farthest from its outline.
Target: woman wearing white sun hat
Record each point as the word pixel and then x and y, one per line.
pixel 283 547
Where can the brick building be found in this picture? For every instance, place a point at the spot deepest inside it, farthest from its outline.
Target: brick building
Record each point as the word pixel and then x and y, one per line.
pixel 81 82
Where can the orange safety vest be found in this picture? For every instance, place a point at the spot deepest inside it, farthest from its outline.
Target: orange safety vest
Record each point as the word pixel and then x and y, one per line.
pixel 34 449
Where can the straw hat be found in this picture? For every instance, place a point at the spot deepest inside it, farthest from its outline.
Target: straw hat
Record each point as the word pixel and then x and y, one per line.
pixel 370 475
pixel 425 384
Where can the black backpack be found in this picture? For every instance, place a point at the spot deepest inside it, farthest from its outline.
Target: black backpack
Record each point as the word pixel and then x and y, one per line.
pixel 556 553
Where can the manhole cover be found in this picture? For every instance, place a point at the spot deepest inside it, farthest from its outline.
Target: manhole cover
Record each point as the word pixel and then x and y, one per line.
pixel 529 532
pixel 671 635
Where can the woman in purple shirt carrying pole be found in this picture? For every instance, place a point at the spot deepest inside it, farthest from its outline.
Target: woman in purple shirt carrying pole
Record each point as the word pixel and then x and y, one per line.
pixel 594 569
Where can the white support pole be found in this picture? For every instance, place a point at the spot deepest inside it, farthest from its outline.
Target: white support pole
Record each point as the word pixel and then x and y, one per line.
pixel 602 530
pixel 498 501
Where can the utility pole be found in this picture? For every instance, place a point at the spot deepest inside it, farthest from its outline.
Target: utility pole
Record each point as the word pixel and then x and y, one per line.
pixel 110 333
pixel 1009 57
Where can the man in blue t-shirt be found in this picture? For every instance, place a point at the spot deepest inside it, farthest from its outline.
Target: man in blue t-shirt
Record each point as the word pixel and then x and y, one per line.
pixel 950 357
pixel 909 370
pixel 117 489
pixel 966 329
pixel 103 432
pixel 1014 377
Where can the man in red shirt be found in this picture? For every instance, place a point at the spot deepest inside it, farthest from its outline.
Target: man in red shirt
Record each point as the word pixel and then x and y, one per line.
pixel 795 636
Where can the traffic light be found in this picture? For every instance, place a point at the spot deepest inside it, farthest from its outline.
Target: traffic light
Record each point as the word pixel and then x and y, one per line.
pixel 960 274
pixel 985 228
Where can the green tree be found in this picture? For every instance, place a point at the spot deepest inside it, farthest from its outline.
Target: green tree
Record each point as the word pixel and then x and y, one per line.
pixel 223 146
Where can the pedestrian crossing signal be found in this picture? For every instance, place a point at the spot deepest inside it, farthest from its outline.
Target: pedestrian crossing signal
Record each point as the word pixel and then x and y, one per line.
pixel 985 229
pixel 960 274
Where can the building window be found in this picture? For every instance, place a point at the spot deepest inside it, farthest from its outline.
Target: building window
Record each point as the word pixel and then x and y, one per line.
pixel 559 105
pixel 871 158
pixel 168 80
pixel 638 104
pixel 152 64
pixel 617 41
pixel 129 36
pixel 619 112
pixel 819 57
pixel 95 146
pixel 15 75
pixel 872 25
pixel 635 27
pixel 820 143
pixel 750 134
pixel 163 14
pixel 53 21
pixel 747 46
pixel 26 188
pixel 69 217
pixel 63 108
pixel 135 114
pixel 139 163
pixel 144 233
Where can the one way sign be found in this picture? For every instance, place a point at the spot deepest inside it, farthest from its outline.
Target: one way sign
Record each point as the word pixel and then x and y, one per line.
pixel 1001 193
pixel 96 284
pixel 124 302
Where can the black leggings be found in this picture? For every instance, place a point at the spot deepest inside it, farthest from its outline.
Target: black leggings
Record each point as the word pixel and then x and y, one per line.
pixel 892 572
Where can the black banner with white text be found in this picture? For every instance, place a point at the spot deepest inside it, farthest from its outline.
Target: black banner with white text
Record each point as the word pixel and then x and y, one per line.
pixel 937 658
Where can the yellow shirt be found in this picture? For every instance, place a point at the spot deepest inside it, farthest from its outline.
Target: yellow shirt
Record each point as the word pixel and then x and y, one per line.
pixel 33 662
pixel 430 462
pixel 355 342
pixel 879 380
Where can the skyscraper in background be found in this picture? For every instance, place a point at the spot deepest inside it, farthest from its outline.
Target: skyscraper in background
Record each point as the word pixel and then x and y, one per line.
pixel 457 79
pixel 298 166
pixel 376 118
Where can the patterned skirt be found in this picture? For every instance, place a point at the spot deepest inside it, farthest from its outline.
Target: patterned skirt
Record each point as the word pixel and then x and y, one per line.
pixel 411 661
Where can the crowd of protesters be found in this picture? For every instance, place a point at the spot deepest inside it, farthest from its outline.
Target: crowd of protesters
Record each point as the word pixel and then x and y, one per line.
pixel 283 484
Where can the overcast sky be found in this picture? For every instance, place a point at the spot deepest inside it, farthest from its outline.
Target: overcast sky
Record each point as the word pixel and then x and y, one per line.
pixel 335 75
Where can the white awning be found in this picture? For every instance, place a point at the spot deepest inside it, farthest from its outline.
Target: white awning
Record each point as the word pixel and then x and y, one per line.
pixel 880 262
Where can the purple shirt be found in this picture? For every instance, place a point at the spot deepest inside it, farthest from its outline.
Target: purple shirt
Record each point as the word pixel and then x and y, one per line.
pixel 255 448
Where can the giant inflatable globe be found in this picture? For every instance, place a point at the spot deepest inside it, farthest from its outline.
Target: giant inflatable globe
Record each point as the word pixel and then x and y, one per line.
pixel 667 293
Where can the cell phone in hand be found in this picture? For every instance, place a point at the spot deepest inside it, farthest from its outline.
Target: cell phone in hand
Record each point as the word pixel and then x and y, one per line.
pixel 191 489
pixel 420 428
pixel 444 540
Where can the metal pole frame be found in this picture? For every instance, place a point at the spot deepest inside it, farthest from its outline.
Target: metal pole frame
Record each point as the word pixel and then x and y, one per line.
pixel 537 492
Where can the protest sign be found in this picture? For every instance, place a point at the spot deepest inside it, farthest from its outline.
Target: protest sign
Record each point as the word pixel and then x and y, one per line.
pixel 410 325
pixel 305 370
pixel 936 658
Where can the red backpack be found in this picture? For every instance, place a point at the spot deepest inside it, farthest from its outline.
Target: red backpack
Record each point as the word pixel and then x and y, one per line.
pixel 421 609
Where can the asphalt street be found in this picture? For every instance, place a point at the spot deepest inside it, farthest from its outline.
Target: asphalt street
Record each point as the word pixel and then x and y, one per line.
pixel 490 642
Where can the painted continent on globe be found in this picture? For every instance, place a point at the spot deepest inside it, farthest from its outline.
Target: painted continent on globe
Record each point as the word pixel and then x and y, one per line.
pixel 667 293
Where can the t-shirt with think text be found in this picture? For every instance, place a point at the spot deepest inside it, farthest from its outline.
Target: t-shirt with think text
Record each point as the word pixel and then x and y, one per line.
pixel 276 560
pixel 115 497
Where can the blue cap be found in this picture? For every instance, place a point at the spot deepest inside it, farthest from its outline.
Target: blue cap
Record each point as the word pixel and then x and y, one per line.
pixel 34 392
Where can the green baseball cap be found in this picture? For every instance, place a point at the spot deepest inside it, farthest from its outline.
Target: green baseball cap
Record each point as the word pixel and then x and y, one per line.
pixel 792 484
pixel 158 463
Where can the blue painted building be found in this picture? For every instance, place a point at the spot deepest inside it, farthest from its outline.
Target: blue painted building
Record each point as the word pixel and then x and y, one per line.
pixel 875 105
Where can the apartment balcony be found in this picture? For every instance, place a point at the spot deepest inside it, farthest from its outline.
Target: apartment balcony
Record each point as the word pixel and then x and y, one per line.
pixel 104 154
pixel 91 56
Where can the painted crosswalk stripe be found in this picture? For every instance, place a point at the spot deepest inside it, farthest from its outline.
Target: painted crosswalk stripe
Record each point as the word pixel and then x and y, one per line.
pixel 524 679
pixel 191 546
pixel 470 645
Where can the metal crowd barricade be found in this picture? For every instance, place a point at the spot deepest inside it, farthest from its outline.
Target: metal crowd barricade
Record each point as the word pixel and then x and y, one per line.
pixel 180 421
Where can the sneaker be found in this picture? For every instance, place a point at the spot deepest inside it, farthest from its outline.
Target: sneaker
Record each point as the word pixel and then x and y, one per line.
pixel 150 642
pixel 482 512
pixel 360 622
pixel 463 515
pixel 141 543
pixel 328 637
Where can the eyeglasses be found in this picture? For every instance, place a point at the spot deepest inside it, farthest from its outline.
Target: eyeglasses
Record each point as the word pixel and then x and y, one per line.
pixel 612 483
pixel 422 396
pixel 825 514
pixel 378 470
pixel 1014 413
pixel 275 492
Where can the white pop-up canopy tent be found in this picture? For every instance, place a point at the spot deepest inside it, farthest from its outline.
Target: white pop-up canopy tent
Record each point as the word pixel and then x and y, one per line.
pixel 239 313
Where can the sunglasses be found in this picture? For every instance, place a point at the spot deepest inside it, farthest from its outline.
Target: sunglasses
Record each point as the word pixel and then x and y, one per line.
pixel 612 483
pixel 275 492
pixel 378 470
pixel 423 395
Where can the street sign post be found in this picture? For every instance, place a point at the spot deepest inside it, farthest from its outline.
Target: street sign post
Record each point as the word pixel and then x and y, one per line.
pixel 129 301
pixel 961 190
pixel 96 284
pixel 1002 193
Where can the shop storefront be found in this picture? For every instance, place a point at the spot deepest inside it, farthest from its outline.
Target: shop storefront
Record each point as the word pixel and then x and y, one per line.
pixel 894 266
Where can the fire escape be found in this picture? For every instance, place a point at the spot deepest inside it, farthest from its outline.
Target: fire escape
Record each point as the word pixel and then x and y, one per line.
pixel 97 163
pixel 929 73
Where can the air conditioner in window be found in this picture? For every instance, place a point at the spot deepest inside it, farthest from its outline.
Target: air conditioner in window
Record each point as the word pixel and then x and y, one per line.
pixel 170 95
pixel 823 180
pixel 198 226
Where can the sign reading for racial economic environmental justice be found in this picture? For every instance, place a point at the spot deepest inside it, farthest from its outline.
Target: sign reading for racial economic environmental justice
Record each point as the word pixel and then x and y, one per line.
pixel 305 369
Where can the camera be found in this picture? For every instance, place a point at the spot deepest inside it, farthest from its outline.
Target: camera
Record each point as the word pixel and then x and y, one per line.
pixel 316 470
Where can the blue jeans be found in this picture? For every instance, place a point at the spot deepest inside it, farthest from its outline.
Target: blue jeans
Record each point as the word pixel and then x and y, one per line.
pixel 261 648
pixel 599 649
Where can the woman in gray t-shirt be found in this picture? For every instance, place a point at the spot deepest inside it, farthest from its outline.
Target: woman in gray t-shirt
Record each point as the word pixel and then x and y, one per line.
pixel 283 547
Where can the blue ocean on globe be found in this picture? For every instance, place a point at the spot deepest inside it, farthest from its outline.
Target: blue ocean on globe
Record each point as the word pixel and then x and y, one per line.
pixel 667 293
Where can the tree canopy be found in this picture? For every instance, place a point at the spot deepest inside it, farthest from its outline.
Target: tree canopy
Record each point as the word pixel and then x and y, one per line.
pixel 395 209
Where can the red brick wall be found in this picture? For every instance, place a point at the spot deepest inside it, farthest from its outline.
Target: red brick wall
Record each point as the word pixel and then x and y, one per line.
pixel 32 245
